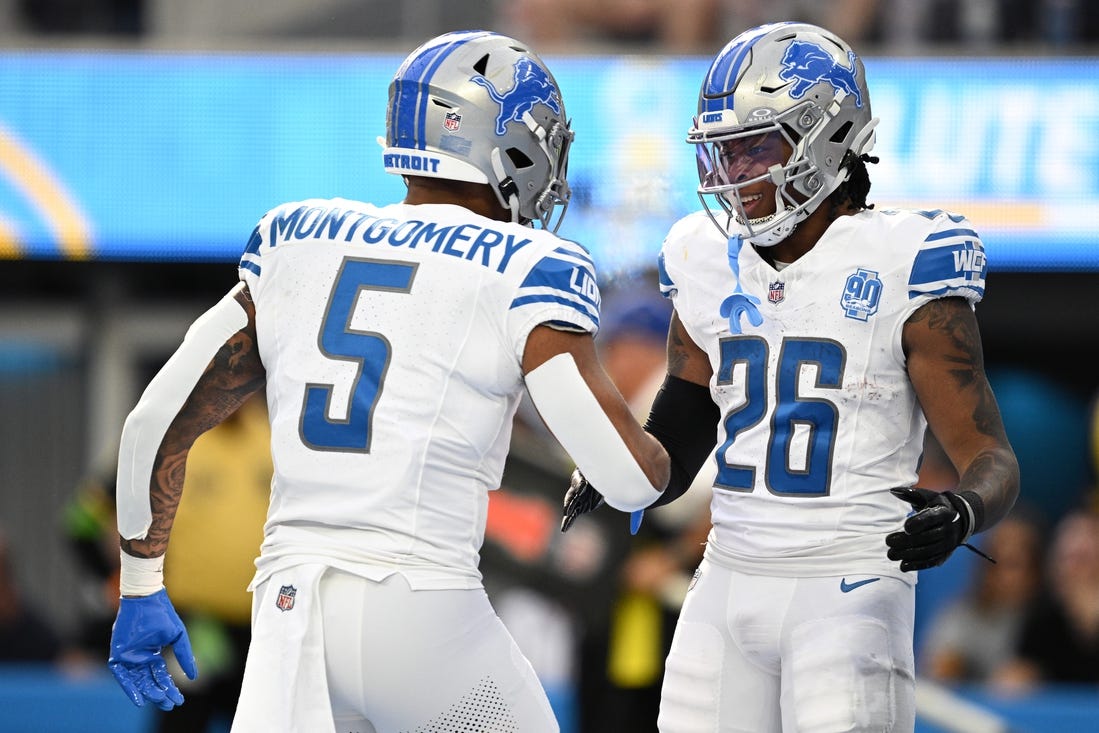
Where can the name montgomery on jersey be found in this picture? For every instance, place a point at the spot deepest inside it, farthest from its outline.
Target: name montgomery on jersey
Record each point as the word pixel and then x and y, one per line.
pixel 489 247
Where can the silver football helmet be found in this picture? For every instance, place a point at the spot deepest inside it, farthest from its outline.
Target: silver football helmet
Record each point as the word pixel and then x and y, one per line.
pixel 481 107
pixel 793 80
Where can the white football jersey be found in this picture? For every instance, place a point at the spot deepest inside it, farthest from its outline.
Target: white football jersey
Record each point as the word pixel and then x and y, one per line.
pixel 392 338
pixel 819 419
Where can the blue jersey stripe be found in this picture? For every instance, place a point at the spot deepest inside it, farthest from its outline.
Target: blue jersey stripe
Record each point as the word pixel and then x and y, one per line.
pixel 947 233
pixel 957 268
pixel 667 285
pixel 959 290
pixel 580 253
pixel 569 278
pixel 250 266
pixel 581 308
pixel 943 264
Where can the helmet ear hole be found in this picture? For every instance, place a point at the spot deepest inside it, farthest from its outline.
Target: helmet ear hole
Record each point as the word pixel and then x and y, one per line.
pixel 841 133
pixel 794 135
pixel 518 158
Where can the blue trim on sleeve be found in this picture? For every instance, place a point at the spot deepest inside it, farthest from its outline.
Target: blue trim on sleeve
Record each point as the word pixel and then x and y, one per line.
pixel 582 254
pixel 250 266
pixel 955 268
pixel 570 278
pixel 667 286
pixel 589 313
pixel 947 233
pixel 970 293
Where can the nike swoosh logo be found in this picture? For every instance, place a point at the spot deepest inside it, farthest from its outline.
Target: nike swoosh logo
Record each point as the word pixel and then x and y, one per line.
pixel 846 587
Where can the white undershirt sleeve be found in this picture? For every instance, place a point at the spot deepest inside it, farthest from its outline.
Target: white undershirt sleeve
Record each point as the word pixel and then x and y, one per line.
pixel 576 419
pixel 162 400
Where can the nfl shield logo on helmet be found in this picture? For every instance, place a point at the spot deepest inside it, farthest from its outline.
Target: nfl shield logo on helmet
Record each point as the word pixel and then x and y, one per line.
pixel 285 601
pixel 776 292
pixel 452 121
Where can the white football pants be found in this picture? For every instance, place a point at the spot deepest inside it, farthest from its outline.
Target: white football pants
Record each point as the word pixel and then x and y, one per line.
pixel 761 654
pixel 394 660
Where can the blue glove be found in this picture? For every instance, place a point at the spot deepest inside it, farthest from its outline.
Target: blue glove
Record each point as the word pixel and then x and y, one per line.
pixel 143 627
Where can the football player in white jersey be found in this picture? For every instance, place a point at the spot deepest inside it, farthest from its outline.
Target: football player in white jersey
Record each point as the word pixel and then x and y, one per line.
pixel 393 343
pixel 818 339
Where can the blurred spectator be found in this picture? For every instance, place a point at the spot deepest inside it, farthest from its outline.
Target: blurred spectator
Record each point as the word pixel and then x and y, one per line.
pixel 686 26
pixel 216 535
pixel 26 635
pixel 852 20
pixel 1059 640
pixel 975 635
pixel 124 17
pixel 896 26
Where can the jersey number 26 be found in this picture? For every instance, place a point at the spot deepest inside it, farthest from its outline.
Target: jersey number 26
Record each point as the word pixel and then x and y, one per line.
pixel 803 429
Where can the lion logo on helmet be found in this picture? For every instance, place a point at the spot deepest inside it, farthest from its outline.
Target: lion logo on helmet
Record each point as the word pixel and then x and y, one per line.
pixel 532 85
pixel 807 64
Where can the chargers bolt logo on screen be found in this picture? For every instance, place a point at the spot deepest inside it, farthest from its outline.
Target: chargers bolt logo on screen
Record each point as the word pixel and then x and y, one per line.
pixel 806 64
pixel 532 84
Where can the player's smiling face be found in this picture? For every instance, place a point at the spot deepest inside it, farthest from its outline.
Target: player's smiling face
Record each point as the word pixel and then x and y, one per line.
pixel 748 158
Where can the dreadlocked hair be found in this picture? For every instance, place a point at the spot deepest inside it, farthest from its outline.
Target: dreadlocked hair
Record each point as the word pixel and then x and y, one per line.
pixel 851 194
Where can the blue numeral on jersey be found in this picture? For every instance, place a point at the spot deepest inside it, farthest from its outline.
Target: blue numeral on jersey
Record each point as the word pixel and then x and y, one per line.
pixel 812 421
pixel 751 351
pixel 338 340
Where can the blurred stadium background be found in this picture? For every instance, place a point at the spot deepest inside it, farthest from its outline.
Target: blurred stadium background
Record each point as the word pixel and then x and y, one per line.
pixel 140 140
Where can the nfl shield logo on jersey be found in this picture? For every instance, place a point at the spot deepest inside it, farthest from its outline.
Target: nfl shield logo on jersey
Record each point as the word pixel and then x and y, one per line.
pixel 285 601
pixel 776 292
pixel 452 121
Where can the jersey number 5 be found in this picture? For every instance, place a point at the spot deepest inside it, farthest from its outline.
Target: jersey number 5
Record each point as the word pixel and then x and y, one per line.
pixel 369 350
pixel 803 429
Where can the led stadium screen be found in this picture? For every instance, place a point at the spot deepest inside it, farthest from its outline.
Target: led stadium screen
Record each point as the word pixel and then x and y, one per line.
pixel 172 156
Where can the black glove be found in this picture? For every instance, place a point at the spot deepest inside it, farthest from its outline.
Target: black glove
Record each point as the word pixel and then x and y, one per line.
pixel 943 521
pixel 581 498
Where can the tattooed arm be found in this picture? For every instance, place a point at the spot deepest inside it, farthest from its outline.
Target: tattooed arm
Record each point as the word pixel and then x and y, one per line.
pixel 209 376
pixel 227 380
pixel 945 363
pixel 686 360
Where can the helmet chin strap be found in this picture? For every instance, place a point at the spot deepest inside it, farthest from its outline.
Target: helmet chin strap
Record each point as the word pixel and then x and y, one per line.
pixel 506 189
pixel 783 211
pixel 775 234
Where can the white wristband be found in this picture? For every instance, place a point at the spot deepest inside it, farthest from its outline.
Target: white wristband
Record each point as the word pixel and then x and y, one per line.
pixel 970 515
pixel 140 576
